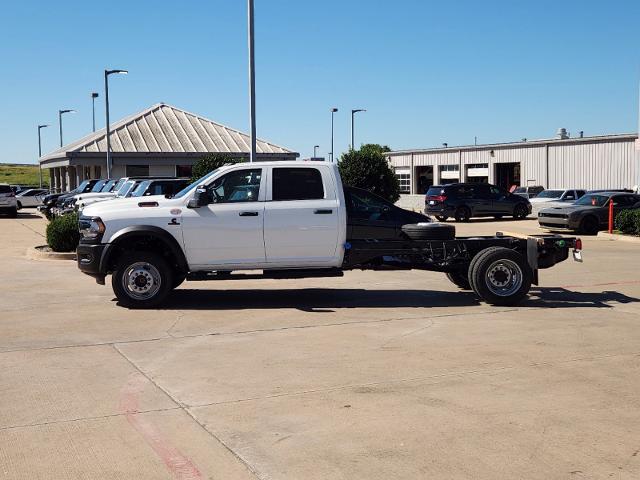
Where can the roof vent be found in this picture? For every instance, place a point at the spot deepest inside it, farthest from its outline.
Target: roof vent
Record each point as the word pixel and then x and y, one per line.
pixel 562 134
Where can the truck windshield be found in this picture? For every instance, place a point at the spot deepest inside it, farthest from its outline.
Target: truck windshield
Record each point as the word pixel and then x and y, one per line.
pixel 200 181
pixel 550 194
pixel 108 186
pixel 141 188
pixel 593 200
pixel 98 186
pixel 124 188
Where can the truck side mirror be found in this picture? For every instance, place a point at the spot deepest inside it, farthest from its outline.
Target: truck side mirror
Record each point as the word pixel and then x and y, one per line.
pixel 201 197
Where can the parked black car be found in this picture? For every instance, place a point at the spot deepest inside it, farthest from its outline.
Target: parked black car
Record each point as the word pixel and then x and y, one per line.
pixel 589 214
pixel 50 201
pixel 467 200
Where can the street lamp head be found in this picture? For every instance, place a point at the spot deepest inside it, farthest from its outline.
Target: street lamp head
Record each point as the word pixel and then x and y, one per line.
pixel 358 110
pixel 334 110
pixel 122 72
pixel 94 95
pixel 43 126
pixel 66 111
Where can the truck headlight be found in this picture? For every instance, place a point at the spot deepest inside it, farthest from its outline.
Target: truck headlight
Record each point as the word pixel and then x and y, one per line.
pixel 91 228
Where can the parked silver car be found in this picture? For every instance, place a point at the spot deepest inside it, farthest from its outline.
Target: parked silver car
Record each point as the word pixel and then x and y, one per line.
pixel 31 198
pixel 8 204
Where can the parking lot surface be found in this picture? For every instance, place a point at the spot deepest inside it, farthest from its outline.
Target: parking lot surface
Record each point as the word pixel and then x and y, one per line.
pixel 375 375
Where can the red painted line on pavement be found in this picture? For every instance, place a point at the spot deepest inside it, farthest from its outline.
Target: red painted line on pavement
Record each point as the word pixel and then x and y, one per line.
pixel 630 282
pixel 181 467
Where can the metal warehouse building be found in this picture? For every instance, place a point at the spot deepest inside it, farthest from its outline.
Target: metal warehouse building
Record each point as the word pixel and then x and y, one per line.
pixel 609 161
pixel 159 141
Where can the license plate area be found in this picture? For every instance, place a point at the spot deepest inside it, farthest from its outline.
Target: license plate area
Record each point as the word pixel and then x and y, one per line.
pixel 577 255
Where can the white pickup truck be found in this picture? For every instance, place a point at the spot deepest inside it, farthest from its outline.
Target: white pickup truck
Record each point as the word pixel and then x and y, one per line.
pixel 292 220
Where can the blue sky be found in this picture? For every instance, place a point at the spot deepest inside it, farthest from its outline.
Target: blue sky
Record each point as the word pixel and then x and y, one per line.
pixel 428 72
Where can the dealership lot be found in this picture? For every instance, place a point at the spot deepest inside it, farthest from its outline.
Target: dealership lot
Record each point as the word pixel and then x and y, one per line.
pixel 372 375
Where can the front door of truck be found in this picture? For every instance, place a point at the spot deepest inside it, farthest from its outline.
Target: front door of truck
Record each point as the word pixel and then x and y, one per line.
pixel 228 231
pixel 301 218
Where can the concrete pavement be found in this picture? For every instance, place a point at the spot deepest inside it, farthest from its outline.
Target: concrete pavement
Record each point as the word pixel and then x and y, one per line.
pixel 372 375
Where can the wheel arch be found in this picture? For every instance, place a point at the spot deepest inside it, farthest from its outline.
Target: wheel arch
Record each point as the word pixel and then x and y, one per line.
pixel 144 238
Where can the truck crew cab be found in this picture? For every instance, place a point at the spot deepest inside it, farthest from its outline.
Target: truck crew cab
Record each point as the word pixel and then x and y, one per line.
pixel 291 220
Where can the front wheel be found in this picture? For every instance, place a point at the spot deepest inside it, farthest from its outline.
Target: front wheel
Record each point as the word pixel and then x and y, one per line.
pixel 142 280
pixel 590 225
pixel 501 276
pixel 520 211
pixel 463 214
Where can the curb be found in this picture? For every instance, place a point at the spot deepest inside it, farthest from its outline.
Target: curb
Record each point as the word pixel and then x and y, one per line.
pixel 37 253
pixel 618 237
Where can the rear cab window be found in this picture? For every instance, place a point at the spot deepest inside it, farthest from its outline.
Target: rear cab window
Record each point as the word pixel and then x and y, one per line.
pixel 297 183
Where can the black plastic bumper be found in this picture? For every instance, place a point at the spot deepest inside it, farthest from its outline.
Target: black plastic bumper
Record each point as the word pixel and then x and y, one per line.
pixel 90 260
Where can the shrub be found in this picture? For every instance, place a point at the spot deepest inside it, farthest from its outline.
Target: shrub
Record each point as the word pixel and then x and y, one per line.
pixel 368 169
pixel 63 234
pixel 628 221
pixel 209 163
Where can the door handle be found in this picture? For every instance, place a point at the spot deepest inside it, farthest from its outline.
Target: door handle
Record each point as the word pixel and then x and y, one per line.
pixel 248 214
pixel 327 211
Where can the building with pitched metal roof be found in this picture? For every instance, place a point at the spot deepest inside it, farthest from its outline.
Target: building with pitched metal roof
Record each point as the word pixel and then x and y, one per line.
pixel 161 140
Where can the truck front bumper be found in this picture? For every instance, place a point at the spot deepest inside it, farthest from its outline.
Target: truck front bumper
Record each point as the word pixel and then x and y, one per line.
pixel 90 260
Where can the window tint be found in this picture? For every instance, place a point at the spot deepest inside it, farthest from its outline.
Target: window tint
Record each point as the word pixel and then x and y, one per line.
pixel 580 193
pixel 137 171
pixel 480 191
pixel 237 186
pixel 435 191
pixel 297 184
pixel 367 206
pixel 5 189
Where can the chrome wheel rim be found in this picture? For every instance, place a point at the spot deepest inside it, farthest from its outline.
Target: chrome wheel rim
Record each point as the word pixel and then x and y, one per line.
pixel 504 277
pixel 141 280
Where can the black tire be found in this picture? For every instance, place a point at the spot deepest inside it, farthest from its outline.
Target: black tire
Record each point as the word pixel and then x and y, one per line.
pixel 472 265
pixel 429 231
pixel 442 218
pixel 501 276
pixel 520 211
pixel 19 205
pixel 463 214
pixel 459 279
pixel 151 270
pixel 178 279
pixel 497 217
pixel 13 213
pixel 590 225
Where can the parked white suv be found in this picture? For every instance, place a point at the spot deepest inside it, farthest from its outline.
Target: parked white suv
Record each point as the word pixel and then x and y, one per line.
pixel 8 203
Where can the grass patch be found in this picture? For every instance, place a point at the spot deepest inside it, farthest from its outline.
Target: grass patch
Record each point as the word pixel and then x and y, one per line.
pixel 23 175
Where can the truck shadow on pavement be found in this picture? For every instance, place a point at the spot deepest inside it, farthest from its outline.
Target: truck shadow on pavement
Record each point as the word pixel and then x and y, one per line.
pixel 325 299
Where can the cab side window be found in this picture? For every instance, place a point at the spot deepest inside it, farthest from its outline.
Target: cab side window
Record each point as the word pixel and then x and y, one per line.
pixel 297 184
pixel 237 186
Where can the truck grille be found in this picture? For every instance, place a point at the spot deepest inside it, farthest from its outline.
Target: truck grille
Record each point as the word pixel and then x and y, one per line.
pixel 553 215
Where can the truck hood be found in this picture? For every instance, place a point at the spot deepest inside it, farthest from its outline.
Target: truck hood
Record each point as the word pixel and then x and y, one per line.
pixel 569 209
pixel 128 207
pixel 544 200
pixel 88 196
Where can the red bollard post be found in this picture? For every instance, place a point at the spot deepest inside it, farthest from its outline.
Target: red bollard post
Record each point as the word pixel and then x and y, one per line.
pixel 611 215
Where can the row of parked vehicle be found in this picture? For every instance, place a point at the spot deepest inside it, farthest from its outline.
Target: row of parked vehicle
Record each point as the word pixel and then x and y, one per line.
pixel 557 209
pixel 93 191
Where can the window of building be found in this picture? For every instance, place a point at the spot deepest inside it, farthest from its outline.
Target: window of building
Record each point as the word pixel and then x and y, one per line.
pixel 297 184
pixel 404 177
pixel 184 170
pixel 137 171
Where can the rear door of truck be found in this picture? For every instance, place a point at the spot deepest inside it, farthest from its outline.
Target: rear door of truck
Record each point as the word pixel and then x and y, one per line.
pixel 302 222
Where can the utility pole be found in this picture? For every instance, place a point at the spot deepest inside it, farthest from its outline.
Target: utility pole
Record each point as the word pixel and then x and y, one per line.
pixel 353 112
pixel 40 127
pixel 252 82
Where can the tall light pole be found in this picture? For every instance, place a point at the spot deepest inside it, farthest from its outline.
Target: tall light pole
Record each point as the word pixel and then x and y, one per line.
pixel 353 113
pixel 40 127
pixel 315 151
pixel 252 83
pixel 333 111
pixel 94 95
pixel 106 102
pixel 60 113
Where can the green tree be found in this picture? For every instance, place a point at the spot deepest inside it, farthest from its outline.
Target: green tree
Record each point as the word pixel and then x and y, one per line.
pixel 210 162
pixel 368 169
